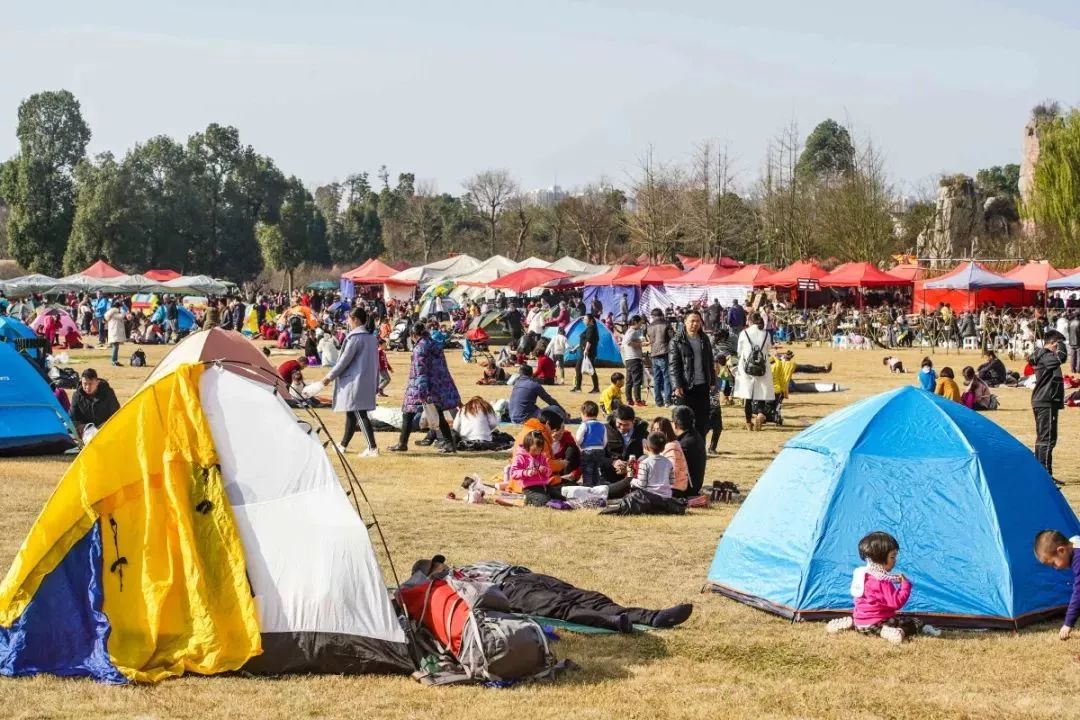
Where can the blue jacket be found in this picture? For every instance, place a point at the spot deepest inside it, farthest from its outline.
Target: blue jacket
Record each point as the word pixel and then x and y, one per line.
pixel 100 306
pixel 927 379
pixel 523 399
pixel 1074 603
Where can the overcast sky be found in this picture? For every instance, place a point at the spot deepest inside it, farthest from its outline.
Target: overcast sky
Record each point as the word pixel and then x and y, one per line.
pixel 556 91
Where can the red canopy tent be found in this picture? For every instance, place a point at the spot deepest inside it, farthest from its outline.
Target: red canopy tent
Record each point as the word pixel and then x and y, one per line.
pixel 966 287
pixel 801 270
pixel 526 279
pixel 101 270
pixel 161 275
pixel 372 272
pixel 400 265
pixel 861 275
pixel 749 275
pixel 650 275
pixel 702 274
pixel 909 271
pixel 609 276
pixel 1035 275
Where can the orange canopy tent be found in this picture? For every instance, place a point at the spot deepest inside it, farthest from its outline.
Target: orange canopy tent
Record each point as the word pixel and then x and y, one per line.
pixel 861 275
pixel 1035 275
pixel 801 270
pixel 161 275
pixel 101 270
pixel 702 274
pixel 749 275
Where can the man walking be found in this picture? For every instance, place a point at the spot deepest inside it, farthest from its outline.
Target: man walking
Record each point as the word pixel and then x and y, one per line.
pixel 1048 396
pixel 659 333
pixel 588 342
pixel 1074 341
pixel 736 318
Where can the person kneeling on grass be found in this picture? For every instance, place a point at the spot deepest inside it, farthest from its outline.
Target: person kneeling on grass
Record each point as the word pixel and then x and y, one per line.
pixel 880 594
pixel 544 596
pixel 650 490
pixel 1055 550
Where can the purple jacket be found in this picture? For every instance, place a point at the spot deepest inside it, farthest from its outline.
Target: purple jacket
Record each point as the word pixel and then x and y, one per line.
pixel 429 379
pixel 1074 603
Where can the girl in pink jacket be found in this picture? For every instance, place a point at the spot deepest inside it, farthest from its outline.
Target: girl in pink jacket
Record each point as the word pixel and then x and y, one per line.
pixel 880 594
pixel 530 468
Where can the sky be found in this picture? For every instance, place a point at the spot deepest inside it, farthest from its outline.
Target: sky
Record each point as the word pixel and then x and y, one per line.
pixel 562 91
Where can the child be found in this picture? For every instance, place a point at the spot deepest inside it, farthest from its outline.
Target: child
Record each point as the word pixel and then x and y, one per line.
pixel 556 350
pixel 591 438
pixel 384 369
pixel 716 397
pixel 725 381
pixel 946 385
pixel 1052 548
pixel 877 597
pixel 927 376
pixel 612 397
pixel 530 469
pixel 896 365
pixel 650 490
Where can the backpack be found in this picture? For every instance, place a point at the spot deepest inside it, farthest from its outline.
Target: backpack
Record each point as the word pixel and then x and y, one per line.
pixel 138 359
pixel 755 364
pixel 296 326
pixel 469 627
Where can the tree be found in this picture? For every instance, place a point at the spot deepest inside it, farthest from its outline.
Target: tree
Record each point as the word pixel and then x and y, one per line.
pixel 165 206
pixel 289 243
pixel 488 191
pixel 784 203
pixel 658 222
pixel 105 224
pixel 999 181
pixel 37 184
pixel 596 216
pixel 328 200
pixel 829 153
pixel 1055 205
pixel 523 218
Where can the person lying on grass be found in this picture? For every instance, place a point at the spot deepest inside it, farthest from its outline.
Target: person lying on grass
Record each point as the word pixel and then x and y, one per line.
pixel 539 595
pixel 1052 548
pixel 880 594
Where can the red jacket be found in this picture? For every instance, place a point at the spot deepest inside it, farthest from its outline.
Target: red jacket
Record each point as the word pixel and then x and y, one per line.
pixel 545 369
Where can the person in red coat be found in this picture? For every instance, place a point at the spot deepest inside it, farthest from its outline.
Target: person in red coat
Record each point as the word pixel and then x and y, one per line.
pixel 545 368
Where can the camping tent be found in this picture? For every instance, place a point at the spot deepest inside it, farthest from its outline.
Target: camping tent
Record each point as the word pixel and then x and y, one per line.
pixel 962 496
pixel 20 336
pixel 195 284
pixel 230 349
pixel 371 272
pixel 607 353
pixel 31 419
pixel 1067 282
pixel 753 276
pixel 792 274
pixel 492 324
pixel 909 271
pixel 102 271
pixel 532 262
pixel 177 542
pixel 424 275
pixel 185 319
pixel 1035 275
pixel 602 286
pixel 27 285
pixel 966 287
pixel 649 275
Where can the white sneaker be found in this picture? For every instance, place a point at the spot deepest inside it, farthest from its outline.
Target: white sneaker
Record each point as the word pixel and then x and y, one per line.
pixel 893 635
pixel 341 448
pixel 839 625
pixel 931 631
pixel 369 453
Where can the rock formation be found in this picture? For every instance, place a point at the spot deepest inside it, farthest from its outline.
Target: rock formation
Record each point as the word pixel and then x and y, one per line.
pixel 958 218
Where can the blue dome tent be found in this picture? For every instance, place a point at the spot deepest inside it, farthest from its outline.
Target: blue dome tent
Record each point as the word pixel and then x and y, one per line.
pixel 607 355
pixel 31 419
pixel 185 319
pixel 962 496
pixel 23 338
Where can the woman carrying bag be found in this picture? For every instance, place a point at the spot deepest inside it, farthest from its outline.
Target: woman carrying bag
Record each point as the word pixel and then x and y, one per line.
pixel 753 378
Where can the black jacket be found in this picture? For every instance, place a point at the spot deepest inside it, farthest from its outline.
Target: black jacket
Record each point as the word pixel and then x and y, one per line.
pixel 681 361
pixel 1049 390
pixel 992 372
pixel 617 449
pixel 693 446
pixel 1073 336
pixel 591 335
pixel 96 408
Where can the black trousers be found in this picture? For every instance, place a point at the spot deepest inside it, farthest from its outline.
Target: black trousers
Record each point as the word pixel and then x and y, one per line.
pixel 1046 432
pixel 697 399
pixel 534 594
pixel 407 422
pixel 813 369
pixel 577 373
pixel 716 427
pixel 635 379
pixel 354 418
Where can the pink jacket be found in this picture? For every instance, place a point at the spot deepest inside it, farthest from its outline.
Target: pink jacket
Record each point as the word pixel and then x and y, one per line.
pixel 529 471
pixel 880 600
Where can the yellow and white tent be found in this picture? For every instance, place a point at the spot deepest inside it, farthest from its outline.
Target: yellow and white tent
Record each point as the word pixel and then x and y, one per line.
pixel 203 529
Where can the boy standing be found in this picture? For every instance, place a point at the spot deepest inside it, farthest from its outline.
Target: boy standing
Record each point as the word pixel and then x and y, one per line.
pixel 1052 548
pixel 591 438
pixel 384 369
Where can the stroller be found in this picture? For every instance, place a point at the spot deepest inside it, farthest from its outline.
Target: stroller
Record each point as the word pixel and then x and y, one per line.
pixel 399 337
pixel 773 410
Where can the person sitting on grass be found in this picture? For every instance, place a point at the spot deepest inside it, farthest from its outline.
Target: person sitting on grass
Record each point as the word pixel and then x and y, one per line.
pixel 680 476
pixel 1055 550
pixel 529 469
pixel 493 374
pixel 612 397
pixel 93 403
pixel 537 595
pixel 693 447
pixel 977 395
pixel 625 435
pixel 650 489
pixel 927 376
pixel 475 422
pixel 946 385
pixel 560 449
pixel 545 367
pixel 992 371
pixel 880 594
pixel 524 395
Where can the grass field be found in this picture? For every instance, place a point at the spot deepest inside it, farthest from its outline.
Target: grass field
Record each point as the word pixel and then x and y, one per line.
pixel 728 661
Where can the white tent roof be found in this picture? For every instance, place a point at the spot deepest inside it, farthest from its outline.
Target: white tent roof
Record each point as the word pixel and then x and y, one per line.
pixel 491 269
pixel 577 267
pixel 533 262
pixel 424 274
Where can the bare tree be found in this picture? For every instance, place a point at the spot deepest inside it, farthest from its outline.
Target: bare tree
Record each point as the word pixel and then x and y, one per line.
pixel 595 216
pixel 783 203
pixel 523 216
pixel 658 221
pixel 488 191
pixel 716 217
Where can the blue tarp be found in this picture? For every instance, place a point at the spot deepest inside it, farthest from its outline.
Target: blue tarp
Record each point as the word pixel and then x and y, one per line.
pixel 962 496
pixel 31 419
pixel 185 320
pixel 609 296
pixel 607 354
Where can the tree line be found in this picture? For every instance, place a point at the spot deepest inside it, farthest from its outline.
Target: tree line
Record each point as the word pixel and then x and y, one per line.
pixel 213 205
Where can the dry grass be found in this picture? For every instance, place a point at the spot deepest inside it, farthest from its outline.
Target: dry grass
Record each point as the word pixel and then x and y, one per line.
pixel 728 661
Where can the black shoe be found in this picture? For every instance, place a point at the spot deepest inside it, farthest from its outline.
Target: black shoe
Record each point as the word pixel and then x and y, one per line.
pixel 576 389
pixel 828 367
pixel 424 443
pixel 594 391
pixel 673 616
pixel 398 447
pixel 448 450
